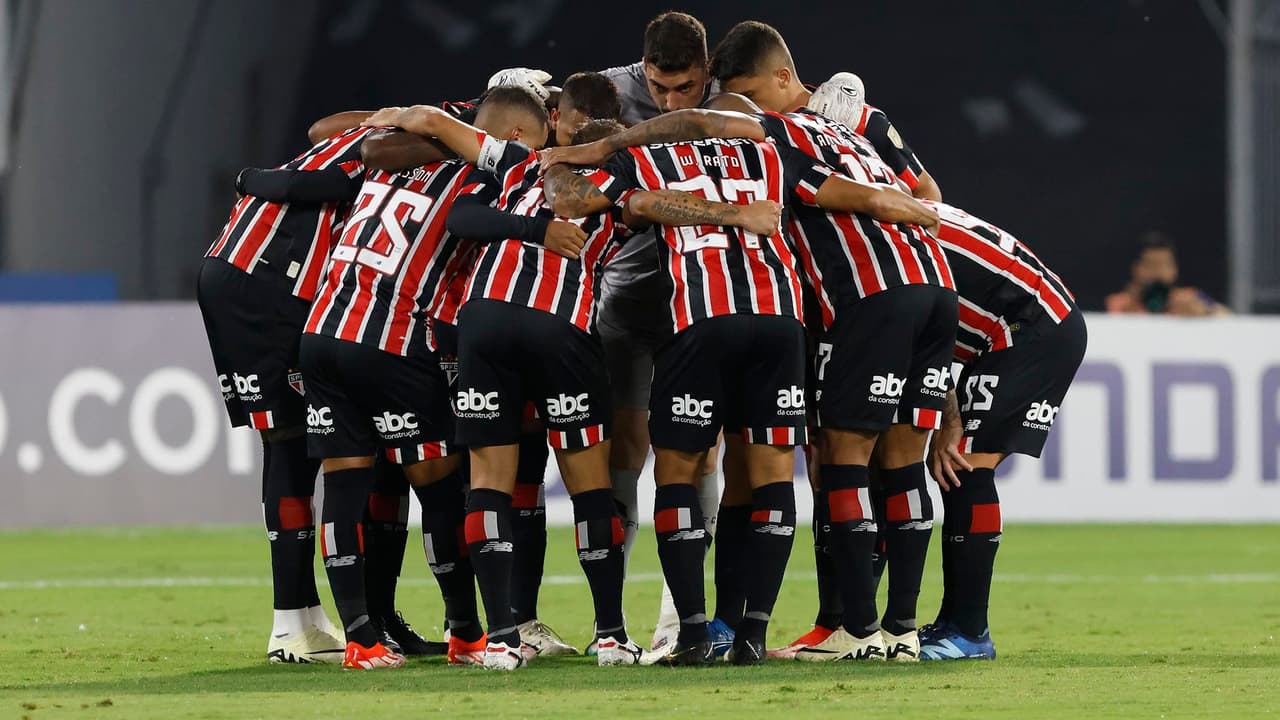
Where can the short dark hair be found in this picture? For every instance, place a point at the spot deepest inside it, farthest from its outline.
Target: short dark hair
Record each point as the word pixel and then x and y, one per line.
pixel 597 130
pixel 744 50
pixel 675 41
pixel 513 98
pixel 593 95
pixel 1154 240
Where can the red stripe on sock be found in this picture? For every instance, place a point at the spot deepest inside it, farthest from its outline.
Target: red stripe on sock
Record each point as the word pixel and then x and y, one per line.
pixel 475 527
pixel 760 516
pixel 525 496
pixel 665 521
pixel 360 536
pixel 986 518
pixel 618 535
pixel 295 513
pixel 845 505
pixel 897 508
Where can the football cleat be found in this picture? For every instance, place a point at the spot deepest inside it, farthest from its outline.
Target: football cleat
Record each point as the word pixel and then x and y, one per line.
pixel 462 652
pixel 501 656
pixel 814 637
pixel 692 655
pixel 592 649
pixel 746 651
pixel 544 640
pixel 721 637
pixel 840 645
pixel 927 632
pixel 320 619
pixel 952 644
pixel 615 652
pixel 901 648
pixel 359 657
pixel 658 651
pixel 311 646
pixel 410 642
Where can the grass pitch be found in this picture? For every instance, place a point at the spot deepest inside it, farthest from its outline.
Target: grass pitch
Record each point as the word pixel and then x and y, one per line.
pixel 1089 621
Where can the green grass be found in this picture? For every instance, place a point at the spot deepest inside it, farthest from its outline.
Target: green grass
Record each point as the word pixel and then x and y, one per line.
pixel 1090 621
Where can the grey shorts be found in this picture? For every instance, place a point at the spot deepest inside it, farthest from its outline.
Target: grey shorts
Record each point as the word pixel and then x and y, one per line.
pixel 631 330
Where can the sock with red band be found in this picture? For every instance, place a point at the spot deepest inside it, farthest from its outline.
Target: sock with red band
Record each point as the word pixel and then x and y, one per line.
pixel 733 532
pixel 443 542
pixel 907 524
pixel 529 526
pixel 386 532
pixel 852 540
pixel 288 482
pixel 599 538
pixel 773 530
pixel 682 544
pixel 830 608
pixel 490 546
pixel 974 535
pixel 342 545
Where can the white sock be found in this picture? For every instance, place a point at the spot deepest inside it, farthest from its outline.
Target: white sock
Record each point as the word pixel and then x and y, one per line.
pixel 289 622
pixel 625 491
pixel 709 500
pixel 668 620
pixel 319 618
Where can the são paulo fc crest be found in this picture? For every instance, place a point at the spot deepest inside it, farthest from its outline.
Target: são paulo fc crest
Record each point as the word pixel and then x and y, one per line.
pixel 295 382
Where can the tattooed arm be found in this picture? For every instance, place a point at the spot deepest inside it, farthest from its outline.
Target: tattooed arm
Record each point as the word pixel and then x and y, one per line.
pixel 673 207
pixel 572 195
pixel 678 126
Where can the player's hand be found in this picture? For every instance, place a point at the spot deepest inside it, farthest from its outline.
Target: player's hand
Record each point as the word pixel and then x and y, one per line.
pixel 945 455
pixel 930 223
pixel 531 81
pixel 590 154
pixel 564 239
pixel 841 98
pixel 383 118
pixel 762 217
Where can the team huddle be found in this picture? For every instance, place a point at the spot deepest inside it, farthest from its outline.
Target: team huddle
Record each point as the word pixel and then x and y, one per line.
pixel 693 254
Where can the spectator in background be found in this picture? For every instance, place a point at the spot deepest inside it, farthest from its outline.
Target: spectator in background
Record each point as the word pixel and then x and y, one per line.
pixel 1153 285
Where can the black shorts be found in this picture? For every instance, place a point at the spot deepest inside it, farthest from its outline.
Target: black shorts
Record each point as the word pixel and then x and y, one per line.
pixel 361 399
pixel 1010 398
pixel 742 373
pixel 254 327
pixel 887 359
pixel 510 355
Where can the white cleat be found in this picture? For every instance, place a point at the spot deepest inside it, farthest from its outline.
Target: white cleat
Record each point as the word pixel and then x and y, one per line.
pixel 840 645
pixel 544 640
pixel 613 652
pixel 901 648
pixel 662 645
pixel 320 619
pixel 501 656
pixel 310 646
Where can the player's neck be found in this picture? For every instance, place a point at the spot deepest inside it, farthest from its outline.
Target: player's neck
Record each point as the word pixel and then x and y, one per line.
pixel 800 99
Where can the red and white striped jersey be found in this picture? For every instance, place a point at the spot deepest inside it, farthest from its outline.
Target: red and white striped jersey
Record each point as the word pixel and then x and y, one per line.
pixel 1000 282
pixel 874 125
pixel 717 270
pixel 525 273
pixel 393 271
pixel 290 243
pixel 847 256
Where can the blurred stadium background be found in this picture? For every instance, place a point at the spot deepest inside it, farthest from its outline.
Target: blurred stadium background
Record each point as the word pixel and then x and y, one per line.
pixel 1078 126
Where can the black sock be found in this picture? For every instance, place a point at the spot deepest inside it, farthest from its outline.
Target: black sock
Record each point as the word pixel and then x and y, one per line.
pixel 879 555
pixel 443 515
pixel 830 608
pixel 907 523
pixel 288 482
pixel 733 529
pixel 975 538
pixel 490 545
pixel 386 531
pixel 682 543
pixel 950 575
pixel 529 526
pixel 773 531
pixel 853 537
pixel 342 545
pixel 598 532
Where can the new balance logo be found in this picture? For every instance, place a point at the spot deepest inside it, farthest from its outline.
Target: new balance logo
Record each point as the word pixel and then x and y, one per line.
pixel 886 388
pixel 558 407
pixel 340 561
pixel 972 425
pixel 442 568
pixel 679 535
pixel 496 546
pixel 390 423
pixel 917 525
pixel 783 530
pixel 588 555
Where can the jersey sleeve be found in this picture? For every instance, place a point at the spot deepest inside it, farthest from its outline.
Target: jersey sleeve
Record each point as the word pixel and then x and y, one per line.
pixel 892 148
pixel 617 179
pixel 802 175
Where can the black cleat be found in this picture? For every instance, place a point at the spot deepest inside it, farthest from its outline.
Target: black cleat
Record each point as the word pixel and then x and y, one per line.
pixel 746 651
pixel 698 654
pixel 410 642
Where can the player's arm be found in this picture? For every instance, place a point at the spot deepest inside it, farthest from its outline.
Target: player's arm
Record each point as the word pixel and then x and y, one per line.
pixel 674 207
pixel 882 202
pixel 678 126
pixel 473 216
pixel 433 122
pixel 944 452
pixel 572 195
pixel 332 184
pixel 894 150
pixel 396 150
pixel 927 188
pixel 327 127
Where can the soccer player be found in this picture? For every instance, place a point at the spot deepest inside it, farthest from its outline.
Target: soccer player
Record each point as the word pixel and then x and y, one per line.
pixel 255 287
pixel 525 335
pixel 671 75
pixel 848 258
pixel 1021 339
pixel 374 377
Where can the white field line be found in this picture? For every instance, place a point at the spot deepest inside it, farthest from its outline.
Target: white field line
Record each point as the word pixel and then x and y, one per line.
pixel 1050 579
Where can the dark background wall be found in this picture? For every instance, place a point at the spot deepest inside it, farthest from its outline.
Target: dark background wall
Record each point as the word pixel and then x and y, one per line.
pixel 1075 125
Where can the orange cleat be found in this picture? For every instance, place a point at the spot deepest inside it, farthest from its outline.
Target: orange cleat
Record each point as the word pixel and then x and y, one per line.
pixel 462 652
pixel 816 636
pixel 359 657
